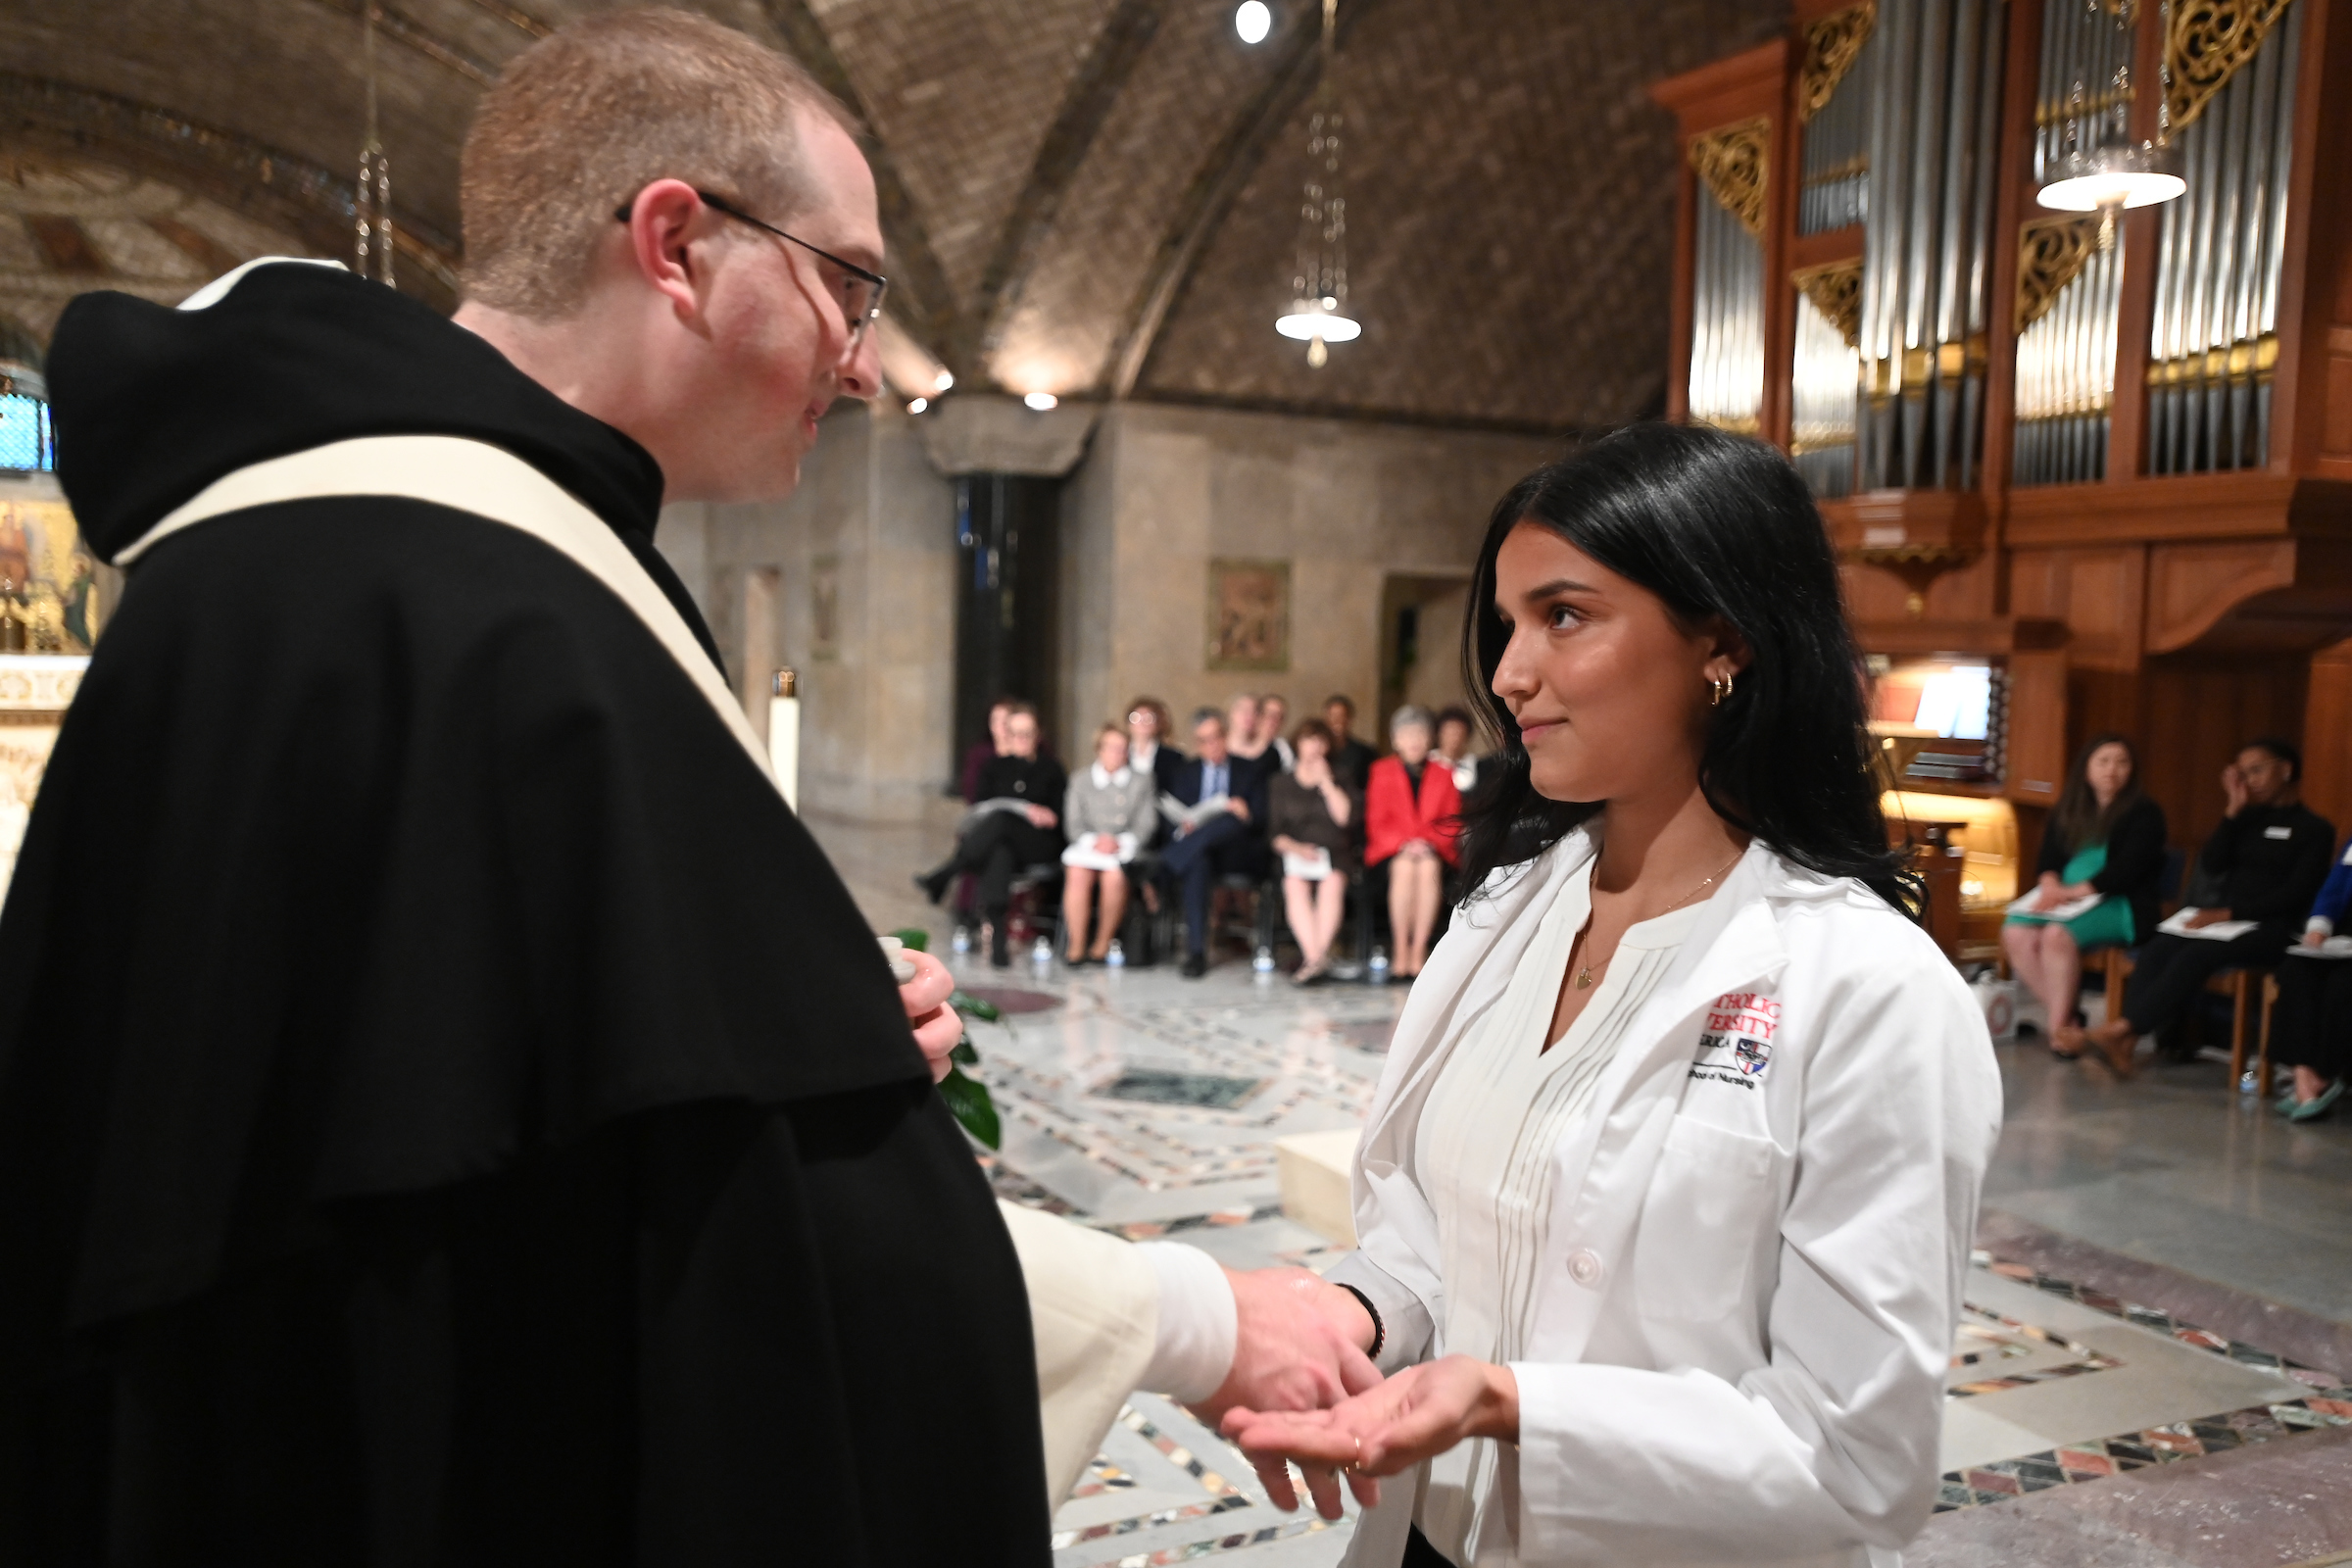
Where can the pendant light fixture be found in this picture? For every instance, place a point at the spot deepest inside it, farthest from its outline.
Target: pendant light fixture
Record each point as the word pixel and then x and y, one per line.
pixel 2103 170
pixel 1319 313
pixel 371 202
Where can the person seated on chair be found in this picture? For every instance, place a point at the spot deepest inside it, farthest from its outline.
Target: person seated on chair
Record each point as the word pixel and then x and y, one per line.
pixel 1226 840
pixel 1273 725
pixel 1455 734
pixel 2104 842
pixel 1351 759
pixel 1411 822
pixel 1311 818
pixel 1147 748
pixel 983 752
pixel 1243 736
pixel 2267 860
pixel 1014 823
pixel 2308 1025
pixel 1108 815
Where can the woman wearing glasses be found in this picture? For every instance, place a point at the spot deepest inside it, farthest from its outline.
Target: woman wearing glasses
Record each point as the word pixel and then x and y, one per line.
pixel 1666 1196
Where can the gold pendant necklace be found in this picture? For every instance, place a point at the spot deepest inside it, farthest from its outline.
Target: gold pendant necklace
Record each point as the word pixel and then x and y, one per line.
pixel 1584 973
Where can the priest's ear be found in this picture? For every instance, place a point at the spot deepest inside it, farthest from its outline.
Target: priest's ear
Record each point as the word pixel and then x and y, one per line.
pixel 668 225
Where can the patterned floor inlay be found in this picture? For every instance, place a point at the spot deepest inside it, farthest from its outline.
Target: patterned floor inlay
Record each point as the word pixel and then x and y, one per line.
pixel 2306 1398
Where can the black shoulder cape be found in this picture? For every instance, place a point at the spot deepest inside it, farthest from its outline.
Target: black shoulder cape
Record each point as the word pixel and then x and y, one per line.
pixel 450 1112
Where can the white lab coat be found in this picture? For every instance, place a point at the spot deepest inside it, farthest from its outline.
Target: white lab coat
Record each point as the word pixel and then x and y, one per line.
pixel 1748 1296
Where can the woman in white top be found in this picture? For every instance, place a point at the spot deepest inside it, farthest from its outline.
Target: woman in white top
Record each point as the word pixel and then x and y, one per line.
pixel 1109 812
pixel 1666 1197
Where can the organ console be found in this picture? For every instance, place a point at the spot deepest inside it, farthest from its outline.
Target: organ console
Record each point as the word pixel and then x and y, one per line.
pixel 2106 456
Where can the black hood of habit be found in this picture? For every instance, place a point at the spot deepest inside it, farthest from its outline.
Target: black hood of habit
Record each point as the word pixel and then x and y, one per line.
pixel 153 404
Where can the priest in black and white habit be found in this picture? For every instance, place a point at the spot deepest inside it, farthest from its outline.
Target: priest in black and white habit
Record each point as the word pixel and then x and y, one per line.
pixel 450 1111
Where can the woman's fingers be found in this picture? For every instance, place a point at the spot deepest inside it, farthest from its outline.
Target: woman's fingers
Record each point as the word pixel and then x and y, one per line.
pixel 1274 1473
pixel 1323 1485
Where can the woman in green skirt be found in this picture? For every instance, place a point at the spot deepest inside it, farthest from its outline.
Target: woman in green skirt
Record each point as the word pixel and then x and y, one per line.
pixel 2104 843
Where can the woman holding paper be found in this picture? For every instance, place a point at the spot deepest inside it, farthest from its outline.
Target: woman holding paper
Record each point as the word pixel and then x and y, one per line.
pixel 1109 814
pixel 2102 857
pixel 1310 814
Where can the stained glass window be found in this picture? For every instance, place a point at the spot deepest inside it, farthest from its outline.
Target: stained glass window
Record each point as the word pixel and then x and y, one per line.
pixel 27 439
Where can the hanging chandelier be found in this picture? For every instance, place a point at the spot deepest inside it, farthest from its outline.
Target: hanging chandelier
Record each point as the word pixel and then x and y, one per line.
pixel 1319 313
pixel 371 202
pixel 2108 178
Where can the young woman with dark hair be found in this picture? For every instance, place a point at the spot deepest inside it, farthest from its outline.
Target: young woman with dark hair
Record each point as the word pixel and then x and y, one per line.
pixel 1678 1142
pixel 2105 842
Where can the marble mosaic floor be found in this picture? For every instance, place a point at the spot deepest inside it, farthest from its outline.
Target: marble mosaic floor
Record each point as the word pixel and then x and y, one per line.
pixel 2085 1424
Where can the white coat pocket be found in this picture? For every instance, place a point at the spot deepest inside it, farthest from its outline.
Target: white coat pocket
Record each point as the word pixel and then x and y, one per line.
pixel 1696 1239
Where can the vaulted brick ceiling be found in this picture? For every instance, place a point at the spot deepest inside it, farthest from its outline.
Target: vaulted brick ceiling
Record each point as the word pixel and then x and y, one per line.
pixel 1089 197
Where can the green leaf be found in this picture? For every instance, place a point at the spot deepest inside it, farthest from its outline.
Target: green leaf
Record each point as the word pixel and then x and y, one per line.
pixel 914 939
pixel 972 1006
pixel 967 1101
pixel 963 1053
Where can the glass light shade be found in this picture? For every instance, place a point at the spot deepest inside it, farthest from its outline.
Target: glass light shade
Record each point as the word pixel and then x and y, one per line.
pixel 2112 178
pixel 1312 319
pixel 1252 20
pixel 1040 400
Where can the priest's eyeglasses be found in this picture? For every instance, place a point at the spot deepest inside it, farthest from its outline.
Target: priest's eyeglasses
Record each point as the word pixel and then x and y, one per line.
pixel 862 291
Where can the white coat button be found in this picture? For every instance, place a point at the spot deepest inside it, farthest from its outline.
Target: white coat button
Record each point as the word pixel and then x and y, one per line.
pixel 1584 1267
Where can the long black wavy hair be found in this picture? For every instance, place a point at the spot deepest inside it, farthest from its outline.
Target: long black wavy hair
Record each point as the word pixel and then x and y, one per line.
pixel 1714 524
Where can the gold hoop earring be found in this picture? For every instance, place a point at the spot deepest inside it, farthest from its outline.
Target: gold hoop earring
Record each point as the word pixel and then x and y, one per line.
pixel 1723 689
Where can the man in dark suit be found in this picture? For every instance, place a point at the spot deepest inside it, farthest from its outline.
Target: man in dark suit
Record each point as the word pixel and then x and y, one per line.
pixel 1227 841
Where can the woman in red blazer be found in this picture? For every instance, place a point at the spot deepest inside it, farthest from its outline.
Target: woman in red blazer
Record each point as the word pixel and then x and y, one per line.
pixel 1411 824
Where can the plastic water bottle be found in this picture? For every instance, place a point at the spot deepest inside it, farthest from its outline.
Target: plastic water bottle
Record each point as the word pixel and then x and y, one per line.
pixel 1263 962
pixel 1377 971
pixel 1116 957
pixel 1041 953
pixel 962 941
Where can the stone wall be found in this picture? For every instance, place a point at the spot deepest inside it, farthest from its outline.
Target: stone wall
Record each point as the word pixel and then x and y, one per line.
pixel 1166 489
pixel 851 581
pixel 849 584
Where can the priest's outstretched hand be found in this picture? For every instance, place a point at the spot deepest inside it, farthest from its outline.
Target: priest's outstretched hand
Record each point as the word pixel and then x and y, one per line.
pixel 1298 1344
pixel 1420 1412
pixel 937 1026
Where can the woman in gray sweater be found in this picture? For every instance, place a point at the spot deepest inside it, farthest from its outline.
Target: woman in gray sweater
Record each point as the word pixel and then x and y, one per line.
pixel 1108 813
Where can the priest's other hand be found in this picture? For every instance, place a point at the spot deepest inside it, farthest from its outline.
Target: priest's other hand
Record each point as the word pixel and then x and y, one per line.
pixel 1420 1412
pixel 937 1026
pixel 1295 1345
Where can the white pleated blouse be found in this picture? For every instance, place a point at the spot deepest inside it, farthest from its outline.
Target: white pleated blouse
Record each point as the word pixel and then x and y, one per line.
pixel 1483 1158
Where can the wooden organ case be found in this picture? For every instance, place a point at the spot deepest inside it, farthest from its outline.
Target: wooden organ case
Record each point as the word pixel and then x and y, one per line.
pixel 2108 456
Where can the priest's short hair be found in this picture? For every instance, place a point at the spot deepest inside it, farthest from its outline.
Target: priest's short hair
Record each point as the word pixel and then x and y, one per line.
pixel 592 114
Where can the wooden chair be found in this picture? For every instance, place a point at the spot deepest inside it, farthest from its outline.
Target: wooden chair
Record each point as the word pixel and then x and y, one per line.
pixel 2236 984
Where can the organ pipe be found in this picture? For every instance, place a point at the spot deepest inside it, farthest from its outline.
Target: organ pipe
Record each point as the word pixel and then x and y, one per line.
pixel 1822 404
pixel 1832 183
pixel 1726 319
pixel 2214 344
pixel 1935 115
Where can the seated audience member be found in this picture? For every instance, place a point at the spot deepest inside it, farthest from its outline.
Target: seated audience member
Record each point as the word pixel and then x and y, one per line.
pixel 1351 759
pixel 1311 820
pixel 983 753
pixel 1147 748
pixel 1014 823
pixel 2311 1026
pixel 1453 752
pixel 2267 859
pixel 1108 815
pixel 2104 841
pixel 1226 840
pixel 1411 812
pixel 1244 738
pixel 1273 722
